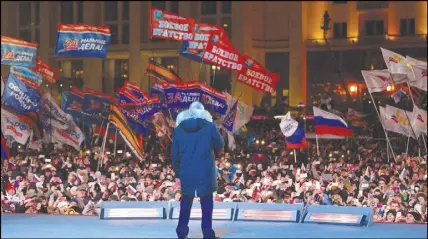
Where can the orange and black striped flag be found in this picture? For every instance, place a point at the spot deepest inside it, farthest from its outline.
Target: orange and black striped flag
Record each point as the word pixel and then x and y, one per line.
pixel 161 72
pixel 117 118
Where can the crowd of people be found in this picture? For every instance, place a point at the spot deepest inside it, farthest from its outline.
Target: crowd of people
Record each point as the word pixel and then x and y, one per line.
pixel 347 172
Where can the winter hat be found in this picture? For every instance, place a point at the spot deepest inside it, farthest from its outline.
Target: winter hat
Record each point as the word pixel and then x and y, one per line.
pixel 10 187
pixel 195 111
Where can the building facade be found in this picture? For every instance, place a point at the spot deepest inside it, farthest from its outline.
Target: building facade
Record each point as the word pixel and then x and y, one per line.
pixel 286 37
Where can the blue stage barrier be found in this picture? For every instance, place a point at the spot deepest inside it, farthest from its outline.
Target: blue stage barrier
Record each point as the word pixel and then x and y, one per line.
pixel 222 211
pixel 271 212
pixel 341 215
pixel 130 210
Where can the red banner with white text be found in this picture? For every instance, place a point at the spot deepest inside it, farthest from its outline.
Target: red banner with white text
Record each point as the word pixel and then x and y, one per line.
pixel 168 25
pixel 47 72
pixel 220 52
pixel 256 76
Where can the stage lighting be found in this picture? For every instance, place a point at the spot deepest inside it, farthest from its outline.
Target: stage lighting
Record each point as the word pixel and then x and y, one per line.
pixel 115 213
pixel 196 213
pixel 335 218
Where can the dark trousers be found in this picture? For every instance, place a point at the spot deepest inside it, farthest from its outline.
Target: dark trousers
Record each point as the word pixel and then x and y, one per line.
pixel 207 216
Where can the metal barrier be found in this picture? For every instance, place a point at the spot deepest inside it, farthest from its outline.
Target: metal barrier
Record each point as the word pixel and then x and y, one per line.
pixel 271 212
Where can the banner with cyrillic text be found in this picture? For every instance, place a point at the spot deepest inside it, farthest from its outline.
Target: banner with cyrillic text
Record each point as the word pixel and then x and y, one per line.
pixel 256 76
pixel 220 52
pixel 170 26
pixel 15 52
pixel 194 49
pixel 82 40
pixel 21 95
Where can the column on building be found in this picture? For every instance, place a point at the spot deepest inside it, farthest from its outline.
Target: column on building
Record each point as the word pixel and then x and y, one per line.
pixel 298 85
pixel 8 25
pixel 109 76
pixel 44 43
pixel 135 74
pixel 66 68
pixel 145 83
pixel 92 67
pixel 257 94
pixel 188 69
pixel 242 40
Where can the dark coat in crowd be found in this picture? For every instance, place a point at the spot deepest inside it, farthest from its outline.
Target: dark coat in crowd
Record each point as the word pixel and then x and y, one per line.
pixel 193 152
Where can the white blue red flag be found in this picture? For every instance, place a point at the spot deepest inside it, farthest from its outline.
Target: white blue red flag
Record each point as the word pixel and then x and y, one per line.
pixel 328 123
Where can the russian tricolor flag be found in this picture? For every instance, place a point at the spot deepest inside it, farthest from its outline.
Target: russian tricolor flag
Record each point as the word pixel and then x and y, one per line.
pixel 328 123
pixel 4 150
pixel 297 140
pixel 295 136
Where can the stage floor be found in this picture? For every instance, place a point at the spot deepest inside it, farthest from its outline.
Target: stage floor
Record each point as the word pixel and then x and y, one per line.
pixel 52 226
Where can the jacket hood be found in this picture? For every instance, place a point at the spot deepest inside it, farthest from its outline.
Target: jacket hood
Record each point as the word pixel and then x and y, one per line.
pixel 192 120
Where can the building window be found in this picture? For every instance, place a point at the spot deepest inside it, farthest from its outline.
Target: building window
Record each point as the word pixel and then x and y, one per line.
pixel 208 7
pixel 113 32
pixel 121 73
pixel 67 12
pixel 226 7
pixel 25 20
pixel 374 28
pixel 407 27
pixel 25 34
pixel 340 30
pixel 227 25
pixel 161 5
pixel 211 21
pixel 76 69
pixel 110 11
pixel 24 16
pixel 79 12
pixel 37 21
pixel 175 7
pixel 125 10
pixel 125 33
pixel 170 63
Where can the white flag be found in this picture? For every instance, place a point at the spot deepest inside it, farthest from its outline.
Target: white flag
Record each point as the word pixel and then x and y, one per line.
pixel 397 121
pixel 12 126
pixel 414 61
pixel 50 109
pixel 419 77
pixel 288 125
pixel 72 136
pixel 2 86
pixel 396 63
pixel 243 112
pixel 231 140
pixel 377 80
pixel 419 121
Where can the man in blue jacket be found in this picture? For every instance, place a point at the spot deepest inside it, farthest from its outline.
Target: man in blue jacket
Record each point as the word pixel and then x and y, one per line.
pixel 194 144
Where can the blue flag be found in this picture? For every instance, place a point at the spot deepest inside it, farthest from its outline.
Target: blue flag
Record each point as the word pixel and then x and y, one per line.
pixel 82 41
pixel 21 95
pixel 229 119
pixel 96 105
pixel 16 52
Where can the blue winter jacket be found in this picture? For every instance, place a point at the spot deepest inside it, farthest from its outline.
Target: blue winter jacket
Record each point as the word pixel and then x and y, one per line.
pixel 193 158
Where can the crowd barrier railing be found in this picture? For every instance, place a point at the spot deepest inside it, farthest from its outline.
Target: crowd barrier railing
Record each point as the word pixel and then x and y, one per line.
pixel 242 211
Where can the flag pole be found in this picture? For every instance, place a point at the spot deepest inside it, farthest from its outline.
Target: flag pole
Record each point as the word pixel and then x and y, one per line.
pixel 318 148
pixel 407 146
pixel 423 139
pixel 381 122
pixel 387 152
pixel 115 140
pixel 103 146
pixel 295 157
